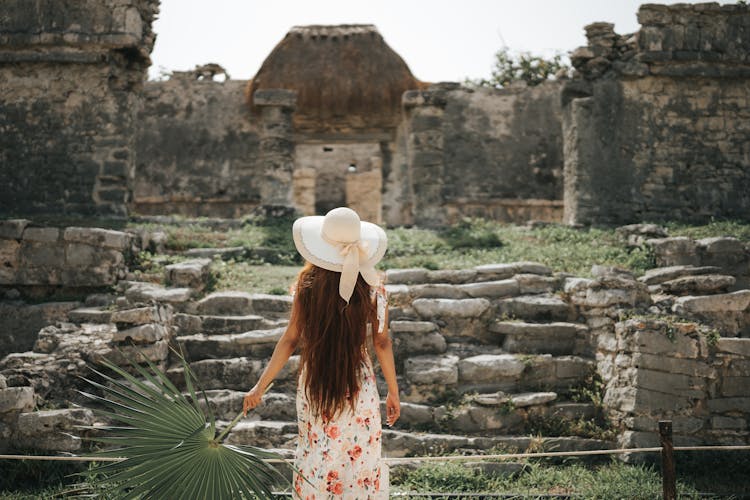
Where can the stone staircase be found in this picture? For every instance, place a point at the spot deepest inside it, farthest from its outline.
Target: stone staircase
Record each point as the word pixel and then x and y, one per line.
pixel 494 357
pixel 480 355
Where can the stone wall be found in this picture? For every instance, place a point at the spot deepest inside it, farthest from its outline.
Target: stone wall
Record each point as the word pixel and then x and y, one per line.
pixel 197 149
pixel 39 262
pixel 656 123
pixel 69 75
pixel 658 370
pixel 485 152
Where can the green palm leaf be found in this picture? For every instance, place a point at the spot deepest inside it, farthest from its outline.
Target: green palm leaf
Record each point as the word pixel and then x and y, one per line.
pixel 169 443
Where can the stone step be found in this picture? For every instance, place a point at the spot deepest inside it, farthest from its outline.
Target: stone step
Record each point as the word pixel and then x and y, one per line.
pixel 695 285
pixel 543 307
pixel 90 315
pixel 403 443
pixel 539 338
pixel 189 324
pixel 492 413
pixel 488 272
pixel 239 373
pixel 226 404
pixel 659 275
pixel 262 433
pixel 253 344
pixel 428 377
pixel 235 303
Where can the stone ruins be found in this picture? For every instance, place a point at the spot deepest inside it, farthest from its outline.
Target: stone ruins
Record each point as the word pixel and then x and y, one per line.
pixel 648 126
pixel 507 355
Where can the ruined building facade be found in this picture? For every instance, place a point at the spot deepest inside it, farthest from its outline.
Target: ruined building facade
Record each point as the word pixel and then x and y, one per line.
pixel 650 125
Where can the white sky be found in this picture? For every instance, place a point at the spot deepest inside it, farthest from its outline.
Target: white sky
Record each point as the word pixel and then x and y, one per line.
pixel 440 40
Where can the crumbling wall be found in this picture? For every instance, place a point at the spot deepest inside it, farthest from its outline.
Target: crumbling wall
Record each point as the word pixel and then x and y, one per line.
pixel 197 148
pixel 656 124
pixel 485 152
pixel 70 72
pixel 655 369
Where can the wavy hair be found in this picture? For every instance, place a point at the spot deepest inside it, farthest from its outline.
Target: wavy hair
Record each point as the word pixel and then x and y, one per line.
pixel 332 337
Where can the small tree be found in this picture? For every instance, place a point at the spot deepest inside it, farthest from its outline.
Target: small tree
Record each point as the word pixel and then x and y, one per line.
pixel 522 67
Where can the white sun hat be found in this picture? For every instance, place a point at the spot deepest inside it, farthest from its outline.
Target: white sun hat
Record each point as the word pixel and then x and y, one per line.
pixel 341 242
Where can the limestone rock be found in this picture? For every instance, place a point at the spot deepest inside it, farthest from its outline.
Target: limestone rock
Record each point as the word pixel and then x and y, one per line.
pixel 461 308
pixel 519 400
pixel 192 273
pixel 734 301
pixel 147 292
pixel 229 302
pixel 275 306
pixel 12 229
pixel 98 237
pixel 437 291
pixel 141 334
pixel 412 327
pixel 674 251
pixel 141 315
pixel 452 276
pixel 705 283
pixel 490 367
pixel 491 289
pixel 661 274
pixel 536 307
pixel 16 399
pixel 90 315
pixel 406 276
pixel 432 369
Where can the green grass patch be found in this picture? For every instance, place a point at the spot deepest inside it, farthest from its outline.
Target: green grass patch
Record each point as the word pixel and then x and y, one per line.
pixel 612 481
pixel 466 244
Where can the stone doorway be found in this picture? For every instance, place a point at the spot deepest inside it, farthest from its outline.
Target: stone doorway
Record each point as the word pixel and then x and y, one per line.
pixel 329 175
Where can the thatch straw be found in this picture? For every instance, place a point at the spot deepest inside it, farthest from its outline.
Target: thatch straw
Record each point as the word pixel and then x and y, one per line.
pixel 346 77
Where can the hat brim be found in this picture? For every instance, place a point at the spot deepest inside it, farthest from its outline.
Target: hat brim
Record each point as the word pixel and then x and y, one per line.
pixel 313 248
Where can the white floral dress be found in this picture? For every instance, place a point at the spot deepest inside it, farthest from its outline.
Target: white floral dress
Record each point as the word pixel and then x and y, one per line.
pixel 341 458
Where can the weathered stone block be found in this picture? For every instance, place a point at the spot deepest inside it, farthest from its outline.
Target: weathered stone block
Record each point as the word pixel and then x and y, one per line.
pixel 140 315
pixel 489 368
pixel 536 308
pixel 406 276
pixel 734 301
pixel 412 327
pixel 706 283
pixel 491 289
pixel 191 273
pixel 453 276
pixel 739 346
pixel 146 292
pixel 462 308
pixel 16 399
pixel 230 302
pixel 661 274
pixel 41 234
pixel 12 229
pixel 437 290
pixel 441 370
pixel 98 237
pixel 675 251
pixel 141 334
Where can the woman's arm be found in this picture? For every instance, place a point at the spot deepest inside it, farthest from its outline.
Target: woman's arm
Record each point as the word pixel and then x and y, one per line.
pixel 384 351
pixel 284 348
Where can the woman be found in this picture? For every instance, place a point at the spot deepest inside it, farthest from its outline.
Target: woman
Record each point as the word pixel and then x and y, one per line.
pixel 339 300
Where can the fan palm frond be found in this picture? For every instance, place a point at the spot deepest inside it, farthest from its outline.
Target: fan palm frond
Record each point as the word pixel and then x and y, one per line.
pixel 169 443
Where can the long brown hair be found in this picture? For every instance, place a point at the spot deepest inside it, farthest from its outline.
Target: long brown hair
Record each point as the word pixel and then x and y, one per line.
pixel 332 335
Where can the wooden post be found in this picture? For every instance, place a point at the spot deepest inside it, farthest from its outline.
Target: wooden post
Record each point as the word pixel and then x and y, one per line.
pixel 668 479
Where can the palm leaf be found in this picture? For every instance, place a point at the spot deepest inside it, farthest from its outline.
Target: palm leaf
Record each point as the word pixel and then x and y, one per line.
pixel 169 443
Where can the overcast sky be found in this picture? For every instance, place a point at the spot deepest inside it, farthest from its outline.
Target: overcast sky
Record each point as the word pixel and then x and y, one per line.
pixel 440 40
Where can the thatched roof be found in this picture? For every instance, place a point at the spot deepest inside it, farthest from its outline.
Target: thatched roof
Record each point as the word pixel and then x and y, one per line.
pixel 346 77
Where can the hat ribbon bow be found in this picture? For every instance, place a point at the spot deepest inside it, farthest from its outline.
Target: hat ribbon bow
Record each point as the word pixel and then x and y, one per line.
pixel 353 252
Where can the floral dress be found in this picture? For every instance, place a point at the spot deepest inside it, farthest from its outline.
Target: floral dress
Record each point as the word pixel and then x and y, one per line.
pixel 340 458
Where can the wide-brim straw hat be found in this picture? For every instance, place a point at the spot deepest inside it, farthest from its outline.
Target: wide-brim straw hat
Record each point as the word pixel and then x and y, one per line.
pixel 340 241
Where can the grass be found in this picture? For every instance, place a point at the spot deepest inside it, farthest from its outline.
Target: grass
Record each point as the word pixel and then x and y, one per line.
pixel 725 475
pixel 469 243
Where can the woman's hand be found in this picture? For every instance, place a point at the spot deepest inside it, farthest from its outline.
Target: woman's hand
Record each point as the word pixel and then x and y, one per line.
pixel 392 408
pixel 252 399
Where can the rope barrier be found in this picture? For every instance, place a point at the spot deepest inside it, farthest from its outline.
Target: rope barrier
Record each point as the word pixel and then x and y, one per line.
pixel 443 458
